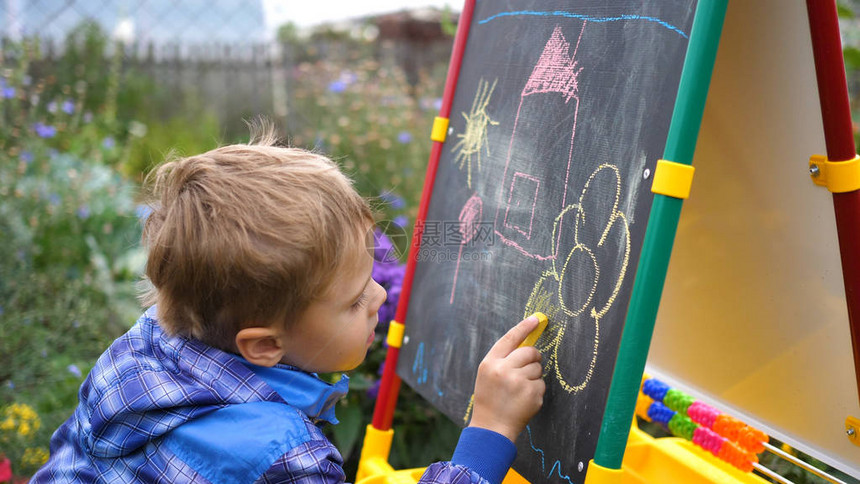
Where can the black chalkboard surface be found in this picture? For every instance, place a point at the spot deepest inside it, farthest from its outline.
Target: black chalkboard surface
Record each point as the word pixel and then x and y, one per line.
pixel 540 204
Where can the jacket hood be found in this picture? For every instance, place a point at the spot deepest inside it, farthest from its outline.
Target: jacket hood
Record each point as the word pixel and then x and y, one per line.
pixel 149 383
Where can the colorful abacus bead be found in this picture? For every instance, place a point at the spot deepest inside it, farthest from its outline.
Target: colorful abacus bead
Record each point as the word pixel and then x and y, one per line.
pixel 655 389
pixel 737 457
pixel 752 439
pixel 660 413
pixel 728 426
pixel 703 414
pixel 708 440
pixel 682 426
pixel 678 400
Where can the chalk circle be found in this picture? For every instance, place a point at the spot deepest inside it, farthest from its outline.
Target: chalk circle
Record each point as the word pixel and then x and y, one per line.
pixel 576 291
pixel 469 218
pixel 615 246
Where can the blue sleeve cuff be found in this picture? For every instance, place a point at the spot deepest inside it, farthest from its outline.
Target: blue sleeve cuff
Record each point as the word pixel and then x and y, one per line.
pixel 488 453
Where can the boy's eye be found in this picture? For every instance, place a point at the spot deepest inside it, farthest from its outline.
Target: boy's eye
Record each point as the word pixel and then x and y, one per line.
pixel 360 301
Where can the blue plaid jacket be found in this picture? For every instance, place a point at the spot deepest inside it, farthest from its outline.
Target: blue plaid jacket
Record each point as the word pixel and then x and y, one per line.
pixel 164 409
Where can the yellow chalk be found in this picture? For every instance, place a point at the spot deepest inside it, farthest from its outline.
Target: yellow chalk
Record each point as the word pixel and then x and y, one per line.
pixel 532 338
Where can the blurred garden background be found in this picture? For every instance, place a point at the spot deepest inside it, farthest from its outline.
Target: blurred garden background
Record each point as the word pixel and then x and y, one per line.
pixel 93 95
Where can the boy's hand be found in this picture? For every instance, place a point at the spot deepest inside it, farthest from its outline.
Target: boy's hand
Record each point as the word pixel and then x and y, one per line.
pixel 509 389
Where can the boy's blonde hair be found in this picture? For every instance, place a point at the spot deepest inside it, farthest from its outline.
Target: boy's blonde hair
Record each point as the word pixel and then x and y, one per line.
pixel 246 235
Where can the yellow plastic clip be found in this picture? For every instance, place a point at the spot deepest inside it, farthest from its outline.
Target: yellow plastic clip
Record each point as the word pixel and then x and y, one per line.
pixel 852 430
pixel 395 334
pixel 440 129
pixel 673 179
pixel 837 176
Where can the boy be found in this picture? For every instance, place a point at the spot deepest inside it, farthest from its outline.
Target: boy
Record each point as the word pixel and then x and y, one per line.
pixel 260 273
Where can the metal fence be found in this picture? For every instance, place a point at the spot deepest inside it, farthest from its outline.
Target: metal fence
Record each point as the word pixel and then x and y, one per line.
pixel 219 52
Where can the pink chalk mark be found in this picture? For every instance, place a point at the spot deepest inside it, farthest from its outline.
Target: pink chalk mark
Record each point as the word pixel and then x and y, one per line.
pixel 470 215
pixel 528 235
pixel 555 71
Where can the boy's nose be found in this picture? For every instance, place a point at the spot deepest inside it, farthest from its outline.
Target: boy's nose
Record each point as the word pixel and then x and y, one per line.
pixel 381 297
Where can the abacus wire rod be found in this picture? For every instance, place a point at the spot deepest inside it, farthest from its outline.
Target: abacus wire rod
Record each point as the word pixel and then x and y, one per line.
pixel 805 465
pixel 773 475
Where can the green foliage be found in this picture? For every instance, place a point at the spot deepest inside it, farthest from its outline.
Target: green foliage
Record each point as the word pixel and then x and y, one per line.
pixel 186 135
pixel 845 9
pixel 449 27
pixel 70 238
pixel 75 131
pixel 366 116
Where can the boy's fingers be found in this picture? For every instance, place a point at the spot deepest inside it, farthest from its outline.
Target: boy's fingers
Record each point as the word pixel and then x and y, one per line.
pixel 522 356
pixel 513 338
pixel 532 371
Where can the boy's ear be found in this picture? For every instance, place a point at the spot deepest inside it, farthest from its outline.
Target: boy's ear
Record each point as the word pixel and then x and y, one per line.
pixel 261 346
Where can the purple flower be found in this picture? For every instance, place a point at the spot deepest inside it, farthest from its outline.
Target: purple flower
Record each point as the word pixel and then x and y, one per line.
pixel 404 137
pixel 26 157
pixel 393 200
pixel 83 212
pixel 68 106
pixel 74 370
pixel 437 104
pixel 108 143
pixel 44 130
pixel 52 107
pixel 389 274
pixel 1 310
pixel 401 221
pixel 54 199
pixel 337 86
pixel 373 391
pixel 383 249
pixel 8 92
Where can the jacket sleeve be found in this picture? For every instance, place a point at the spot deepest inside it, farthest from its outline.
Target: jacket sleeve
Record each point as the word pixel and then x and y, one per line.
pixel 481 457
pixel 314 462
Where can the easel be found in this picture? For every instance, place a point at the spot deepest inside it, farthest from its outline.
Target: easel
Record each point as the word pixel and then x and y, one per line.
pixel 630 456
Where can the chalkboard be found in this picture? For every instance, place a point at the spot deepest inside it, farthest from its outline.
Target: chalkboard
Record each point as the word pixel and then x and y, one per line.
pixel 540 202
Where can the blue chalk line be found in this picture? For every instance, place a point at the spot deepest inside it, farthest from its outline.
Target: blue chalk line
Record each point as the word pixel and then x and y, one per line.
pixel 419 365
pixel 561 13
pixel 556 466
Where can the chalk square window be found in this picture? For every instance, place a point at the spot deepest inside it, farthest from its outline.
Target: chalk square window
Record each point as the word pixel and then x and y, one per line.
pixel 522 202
